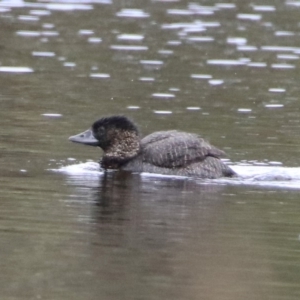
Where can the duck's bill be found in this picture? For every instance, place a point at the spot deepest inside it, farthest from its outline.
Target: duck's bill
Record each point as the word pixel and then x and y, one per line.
pixel 86 138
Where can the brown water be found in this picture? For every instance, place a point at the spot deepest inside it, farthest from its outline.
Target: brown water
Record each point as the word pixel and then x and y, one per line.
pixel 229 71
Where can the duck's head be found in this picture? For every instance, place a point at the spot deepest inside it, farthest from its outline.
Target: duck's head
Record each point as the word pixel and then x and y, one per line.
pixel 112 134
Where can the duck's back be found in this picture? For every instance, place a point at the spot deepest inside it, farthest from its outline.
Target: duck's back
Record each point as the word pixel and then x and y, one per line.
pixel 173 149
pixel 180 153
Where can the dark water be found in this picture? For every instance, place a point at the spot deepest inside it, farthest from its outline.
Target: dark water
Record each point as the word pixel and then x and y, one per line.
pixel 229 71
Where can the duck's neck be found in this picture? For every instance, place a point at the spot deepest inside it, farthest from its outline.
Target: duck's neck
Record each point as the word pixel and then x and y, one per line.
pixel 124 147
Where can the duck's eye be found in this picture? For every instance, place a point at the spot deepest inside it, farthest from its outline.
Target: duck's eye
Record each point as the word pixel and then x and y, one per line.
pixel 101 130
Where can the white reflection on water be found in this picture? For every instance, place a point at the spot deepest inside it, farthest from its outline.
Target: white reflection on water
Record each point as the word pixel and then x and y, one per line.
pixel 279 48
pixel 99 75
pixel 216 81
pixel 287 56
pixel 28 18
pixel 252 17
pixel 130 37
pixel 284 33
pixel 200 38
pixel 163 95
pixel 163 112
pixel 151 62
pixel 193 108
pixel 40 12
pixel 257 64
pixel 129 47
pixel 225 62
pixel 274 105
pixel 16 69
pixel 182 12
pixel 246 48
pixel 264 175
pixel 85 32
pixel 146 78
pixel 69 64
pixel 132 13
pixel 244 110
pixel 43 54
pixel 133 107
pixel 28 33
pixel 68 7
pixel 52 115
pixel 94 40
pixel 225 5
pixel 283 66
pixel 237 40
pixel 201 76
pixel 277 90
pixel 263 8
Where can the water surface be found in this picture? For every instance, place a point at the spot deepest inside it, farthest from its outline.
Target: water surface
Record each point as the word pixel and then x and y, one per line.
pixel 228 71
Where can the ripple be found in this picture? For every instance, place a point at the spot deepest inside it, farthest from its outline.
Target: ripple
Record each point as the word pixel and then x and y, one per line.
pixel 187 27
pixel 85 32
pixel 94 40
pixel 244 110
pixel 28 33
pixel 165 52
pixel 151 62
pixel 282 66
pixel 49 33
pixel 201 9
pixel 237 40
pixel 287 56
pixel 40 12
pixel 284 33
pixel 130 37
pixel 133 107
pixel 132 13
pixel 4 9
pixel 147 78
pixel 193 108
pixel 279 48
pixel 69 64
pixel 28 18
pixel 52 115
pixel 48 26
pixel 163 112
pixel 201 38
pixel 216 81
pixel 99 75
pixel 277 90
pixel 129 47
pixel 225 62
pixel 263 8
pixel 15 69
pixel 257 64
pixel 43 54
pixel 174 43
pixel 163 95
pixel 201 76
pixel 180 12
pixel 293 3
pixel 225 5
pixel 68 7
pixel 247 48
pixel 251 17
pixel 274 105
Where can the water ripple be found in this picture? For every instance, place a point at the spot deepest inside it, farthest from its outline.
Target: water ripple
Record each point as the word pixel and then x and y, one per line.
pixel 15 69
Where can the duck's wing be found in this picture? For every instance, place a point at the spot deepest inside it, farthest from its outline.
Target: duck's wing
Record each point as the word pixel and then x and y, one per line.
pixel 173 149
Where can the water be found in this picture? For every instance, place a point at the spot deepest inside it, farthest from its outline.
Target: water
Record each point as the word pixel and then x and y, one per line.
pixel 228 71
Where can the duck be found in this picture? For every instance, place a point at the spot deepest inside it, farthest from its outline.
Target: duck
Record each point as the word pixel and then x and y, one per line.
pixel 170 152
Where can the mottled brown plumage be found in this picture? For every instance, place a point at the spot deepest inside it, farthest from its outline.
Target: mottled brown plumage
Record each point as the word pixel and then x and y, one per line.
pixel 163 152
